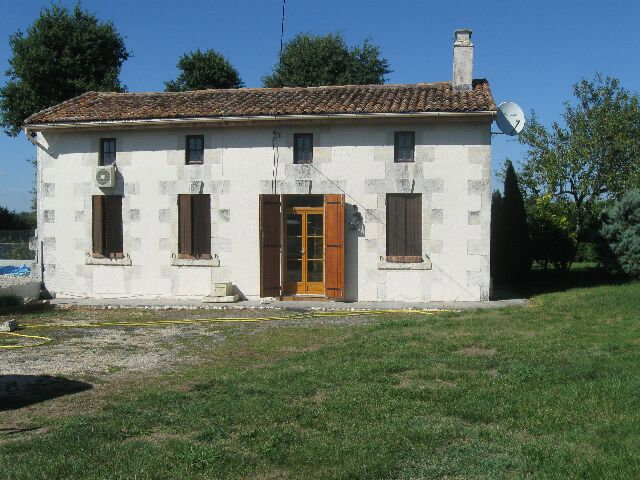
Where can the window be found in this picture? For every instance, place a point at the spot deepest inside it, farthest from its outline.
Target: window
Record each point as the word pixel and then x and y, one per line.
pixel 303 148
pixel 194 226
pixel 404 228
pixel 107 151
pixel 107 226
pixel 404 146
pixel 195 149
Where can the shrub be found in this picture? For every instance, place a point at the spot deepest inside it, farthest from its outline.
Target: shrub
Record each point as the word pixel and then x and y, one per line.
pixel 621 233
pixel 10 301
pixel 587 252
pixel 552 238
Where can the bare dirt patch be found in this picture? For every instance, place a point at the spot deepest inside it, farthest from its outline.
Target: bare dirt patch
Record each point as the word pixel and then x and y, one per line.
pixel 477 352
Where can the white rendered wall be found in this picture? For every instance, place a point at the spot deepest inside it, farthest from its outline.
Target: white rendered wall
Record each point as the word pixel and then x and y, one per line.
pixel 452 171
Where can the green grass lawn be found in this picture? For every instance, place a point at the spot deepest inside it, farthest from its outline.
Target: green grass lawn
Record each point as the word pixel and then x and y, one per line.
pixel 550 390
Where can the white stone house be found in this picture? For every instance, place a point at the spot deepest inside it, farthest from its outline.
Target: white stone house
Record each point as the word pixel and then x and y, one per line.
pixel 371 192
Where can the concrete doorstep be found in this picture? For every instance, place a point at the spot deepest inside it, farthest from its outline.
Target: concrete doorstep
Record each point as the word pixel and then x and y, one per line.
pixel 173 303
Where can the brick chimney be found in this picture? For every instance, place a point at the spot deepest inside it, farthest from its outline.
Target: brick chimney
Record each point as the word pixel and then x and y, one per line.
pixel 462 60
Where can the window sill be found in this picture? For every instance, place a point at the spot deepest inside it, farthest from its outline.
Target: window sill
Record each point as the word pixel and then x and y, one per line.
pixel 195 262
pixel 424 265
pixel 119 262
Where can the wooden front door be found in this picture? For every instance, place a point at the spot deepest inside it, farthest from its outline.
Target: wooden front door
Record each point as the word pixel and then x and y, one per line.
pixel 304 251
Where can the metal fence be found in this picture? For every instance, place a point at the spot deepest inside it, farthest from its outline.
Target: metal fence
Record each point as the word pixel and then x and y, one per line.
pixel 15 245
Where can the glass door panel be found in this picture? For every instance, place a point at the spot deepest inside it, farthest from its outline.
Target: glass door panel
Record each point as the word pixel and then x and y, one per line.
pixel 294 248
pixel 314 224
pixel 314 272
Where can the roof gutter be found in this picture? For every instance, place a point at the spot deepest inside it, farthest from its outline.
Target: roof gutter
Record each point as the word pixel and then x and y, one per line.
pixel 256 118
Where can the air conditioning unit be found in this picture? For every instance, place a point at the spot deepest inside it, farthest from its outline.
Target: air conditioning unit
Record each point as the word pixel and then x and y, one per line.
pixel 106 176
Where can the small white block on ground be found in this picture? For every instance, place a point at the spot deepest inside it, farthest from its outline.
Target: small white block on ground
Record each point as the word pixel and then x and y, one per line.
pixel 224 299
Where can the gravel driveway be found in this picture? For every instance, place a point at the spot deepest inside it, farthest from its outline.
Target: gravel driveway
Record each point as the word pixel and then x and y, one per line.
pixel 117 350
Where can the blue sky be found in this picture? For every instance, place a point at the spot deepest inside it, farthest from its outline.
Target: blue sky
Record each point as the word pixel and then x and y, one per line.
pixel 531 52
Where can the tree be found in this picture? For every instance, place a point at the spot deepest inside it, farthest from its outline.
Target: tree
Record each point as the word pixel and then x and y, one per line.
pixel 512 245
pixel 594 156
pixel 498 266
pixel 312 60
pixel 621 232
pixel 10 220
pixel 62 55
pixel 552 234
pixel 202 70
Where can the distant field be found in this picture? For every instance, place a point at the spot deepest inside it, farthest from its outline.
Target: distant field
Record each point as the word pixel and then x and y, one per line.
pixel 550 390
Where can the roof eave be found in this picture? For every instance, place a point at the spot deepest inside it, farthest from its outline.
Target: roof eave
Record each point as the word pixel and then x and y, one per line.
pixel 252 118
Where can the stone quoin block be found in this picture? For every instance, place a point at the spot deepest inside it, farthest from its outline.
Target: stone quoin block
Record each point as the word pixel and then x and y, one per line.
pixel 437 216
pixel 165 216
pixel 81 189
pixel 433 247
pixel 49 189
pixel 301 171
pixel 167 187
pixel 477 247
pixel 134 215
pixel 474 218
pixel 375 186
pixel 165 244
pixel 219 186
pixel 374 215
pixel 329 186
pixel 131 189
pixel 134 244
pixel 219 244
pixel 475 278
pixel 477 154
pixel 425 154
pixel 196 187
pixel 223 215
pixel 476 187
pixel 434 185
pixel 49 216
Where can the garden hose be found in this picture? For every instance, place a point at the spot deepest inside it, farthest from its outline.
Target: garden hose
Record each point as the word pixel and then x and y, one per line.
pixel 44 340
pixel 163 323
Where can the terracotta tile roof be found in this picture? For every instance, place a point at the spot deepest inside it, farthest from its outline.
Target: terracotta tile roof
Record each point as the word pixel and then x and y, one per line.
pixel 420 97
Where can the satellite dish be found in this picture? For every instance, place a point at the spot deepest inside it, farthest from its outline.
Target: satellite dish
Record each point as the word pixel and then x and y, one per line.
pixel 510 118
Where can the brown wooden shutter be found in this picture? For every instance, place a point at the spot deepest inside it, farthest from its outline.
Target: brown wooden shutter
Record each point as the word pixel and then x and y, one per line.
pixel 395 225
pixel 334 243
pixel 404 228
pixel 270 245
pixel 185 244
pixel 113 225
pixel 413 208
pixel 201 208
pixel 96 229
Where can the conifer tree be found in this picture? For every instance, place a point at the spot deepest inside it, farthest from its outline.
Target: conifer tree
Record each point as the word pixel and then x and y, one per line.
pixel 516 243
pixel 497 264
